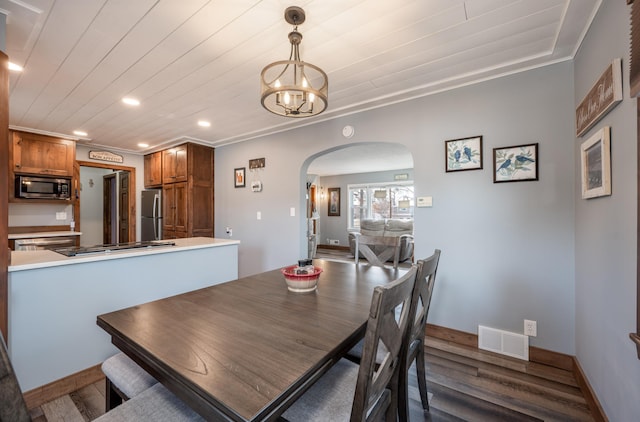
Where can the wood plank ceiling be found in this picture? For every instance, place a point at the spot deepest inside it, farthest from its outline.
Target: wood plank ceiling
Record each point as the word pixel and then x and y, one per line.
pixel 201 59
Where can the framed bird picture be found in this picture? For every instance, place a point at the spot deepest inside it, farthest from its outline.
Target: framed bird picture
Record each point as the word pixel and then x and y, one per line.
pixel 463 154
pixel 515 164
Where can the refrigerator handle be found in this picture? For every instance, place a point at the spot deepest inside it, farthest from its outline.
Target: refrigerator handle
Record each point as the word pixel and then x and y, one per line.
pixel 156 220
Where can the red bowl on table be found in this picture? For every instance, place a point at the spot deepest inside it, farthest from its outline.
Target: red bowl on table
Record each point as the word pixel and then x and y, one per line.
pixel 300 282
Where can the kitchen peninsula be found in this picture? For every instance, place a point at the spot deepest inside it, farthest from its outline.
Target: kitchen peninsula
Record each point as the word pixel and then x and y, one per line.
pixel 54 299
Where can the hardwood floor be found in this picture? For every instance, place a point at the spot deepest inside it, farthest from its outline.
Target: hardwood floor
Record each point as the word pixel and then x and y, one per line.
pixel 465 384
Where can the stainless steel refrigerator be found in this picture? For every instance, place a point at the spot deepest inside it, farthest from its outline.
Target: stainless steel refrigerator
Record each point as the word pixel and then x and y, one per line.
pixel 151 215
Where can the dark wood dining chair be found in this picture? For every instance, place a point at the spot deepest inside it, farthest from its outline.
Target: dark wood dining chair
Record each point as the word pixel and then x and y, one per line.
pixel 12 405
pixel 414 342
pixel 377 249
pixel 369 391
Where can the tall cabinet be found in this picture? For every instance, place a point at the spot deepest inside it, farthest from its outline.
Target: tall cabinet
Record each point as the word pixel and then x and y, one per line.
pixel 187 190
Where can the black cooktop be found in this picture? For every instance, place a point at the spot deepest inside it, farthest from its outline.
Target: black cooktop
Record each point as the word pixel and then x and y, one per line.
pixel 84 250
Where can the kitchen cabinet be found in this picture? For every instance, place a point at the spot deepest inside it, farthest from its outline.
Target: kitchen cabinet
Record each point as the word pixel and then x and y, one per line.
pixel 43 155
pixel 188 207
pixel 175 210
pixel 174 164
pixel 153 170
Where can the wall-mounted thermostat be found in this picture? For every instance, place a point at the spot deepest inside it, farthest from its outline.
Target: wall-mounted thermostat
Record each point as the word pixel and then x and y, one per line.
pixel 424 201
pixel 256 186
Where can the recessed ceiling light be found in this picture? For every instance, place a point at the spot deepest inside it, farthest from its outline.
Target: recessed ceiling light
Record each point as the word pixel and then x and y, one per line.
pixel 131 101
pixel 15 67
pixel 80 133
pixel 203 123
pixel 142 145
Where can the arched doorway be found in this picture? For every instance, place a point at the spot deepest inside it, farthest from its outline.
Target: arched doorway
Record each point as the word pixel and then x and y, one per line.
pixel 326 224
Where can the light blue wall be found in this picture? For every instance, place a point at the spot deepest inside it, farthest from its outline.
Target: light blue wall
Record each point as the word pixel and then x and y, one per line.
pixel 606 231
pixel 507 249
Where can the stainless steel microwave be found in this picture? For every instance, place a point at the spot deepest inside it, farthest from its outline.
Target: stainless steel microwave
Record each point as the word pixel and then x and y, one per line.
pixel 42 187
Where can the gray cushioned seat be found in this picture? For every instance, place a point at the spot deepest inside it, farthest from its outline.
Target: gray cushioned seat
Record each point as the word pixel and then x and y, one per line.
pixel 330 398
pixel 126 375
pixel 155 404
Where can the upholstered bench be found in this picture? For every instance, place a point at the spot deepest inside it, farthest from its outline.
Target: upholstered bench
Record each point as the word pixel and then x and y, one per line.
pixel 155 404
pixel 125 379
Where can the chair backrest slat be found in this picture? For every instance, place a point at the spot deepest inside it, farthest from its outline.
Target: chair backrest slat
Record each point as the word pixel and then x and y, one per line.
pixel 376 389
pixel 388 247
pixel 421 299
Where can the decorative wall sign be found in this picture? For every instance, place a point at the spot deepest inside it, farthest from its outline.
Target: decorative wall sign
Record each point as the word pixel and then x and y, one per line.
pixel 605 94
pixel 256 186
pixel 106 156
pixel 239 177
pixel 515 164
pixel 595 166
pixel 257 163
pixel 463 154
pixel 334 202
pixel 401 176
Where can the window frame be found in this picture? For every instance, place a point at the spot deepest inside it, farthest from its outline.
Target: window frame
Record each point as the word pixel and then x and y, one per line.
pixel 370 197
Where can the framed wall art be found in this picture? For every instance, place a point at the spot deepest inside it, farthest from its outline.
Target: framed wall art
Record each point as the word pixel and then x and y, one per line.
pixel 239 177
pixel 463 154
pixel 595 165
pixel 334 202
pixel 515 164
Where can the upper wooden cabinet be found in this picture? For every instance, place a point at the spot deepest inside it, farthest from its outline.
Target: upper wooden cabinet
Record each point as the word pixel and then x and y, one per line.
pixel 153 170
pixel 39 154
pixel 174 164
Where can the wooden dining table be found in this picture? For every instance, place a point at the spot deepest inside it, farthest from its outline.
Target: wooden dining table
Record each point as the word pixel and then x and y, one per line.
pixel 246 349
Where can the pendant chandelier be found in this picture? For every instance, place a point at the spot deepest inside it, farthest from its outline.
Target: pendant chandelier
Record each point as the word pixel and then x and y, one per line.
pixel 293 88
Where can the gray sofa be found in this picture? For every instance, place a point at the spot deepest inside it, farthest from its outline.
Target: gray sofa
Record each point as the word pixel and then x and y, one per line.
pixel 390 227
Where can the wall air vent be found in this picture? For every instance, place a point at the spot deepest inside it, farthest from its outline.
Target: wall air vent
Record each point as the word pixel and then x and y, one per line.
pixel 503 342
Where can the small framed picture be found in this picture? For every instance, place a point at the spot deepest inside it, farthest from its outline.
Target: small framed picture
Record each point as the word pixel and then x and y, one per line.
pixel 463 154
pixel 239 177
pixel 515 164
pixel 334 202
pixel 596 164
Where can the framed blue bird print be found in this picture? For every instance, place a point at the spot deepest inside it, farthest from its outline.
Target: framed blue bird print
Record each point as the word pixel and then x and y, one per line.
pixel 517 163
pixel 463 154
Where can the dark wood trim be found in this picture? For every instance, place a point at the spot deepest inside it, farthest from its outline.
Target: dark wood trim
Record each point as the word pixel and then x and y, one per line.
pixel 589 395
pixel 334 247
pixel 43 394
pixel 537 355
pixel 132 200
pixel 38 229
pixel 4 194
pixel 635 337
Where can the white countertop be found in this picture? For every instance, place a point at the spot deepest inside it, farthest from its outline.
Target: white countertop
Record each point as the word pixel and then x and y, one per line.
pixel 13 236
pixel 29 260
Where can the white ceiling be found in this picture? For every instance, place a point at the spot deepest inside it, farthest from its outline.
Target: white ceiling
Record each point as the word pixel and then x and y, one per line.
pixel 198 59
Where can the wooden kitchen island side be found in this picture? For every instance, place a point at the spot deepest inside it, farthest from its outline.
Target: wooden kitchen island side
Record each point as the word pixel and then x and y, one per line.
pixel 54 299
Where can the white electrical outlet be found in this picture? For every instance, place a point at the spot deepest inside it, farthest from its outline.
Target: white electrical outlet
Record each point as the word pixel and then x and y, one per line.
pixel 530 328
